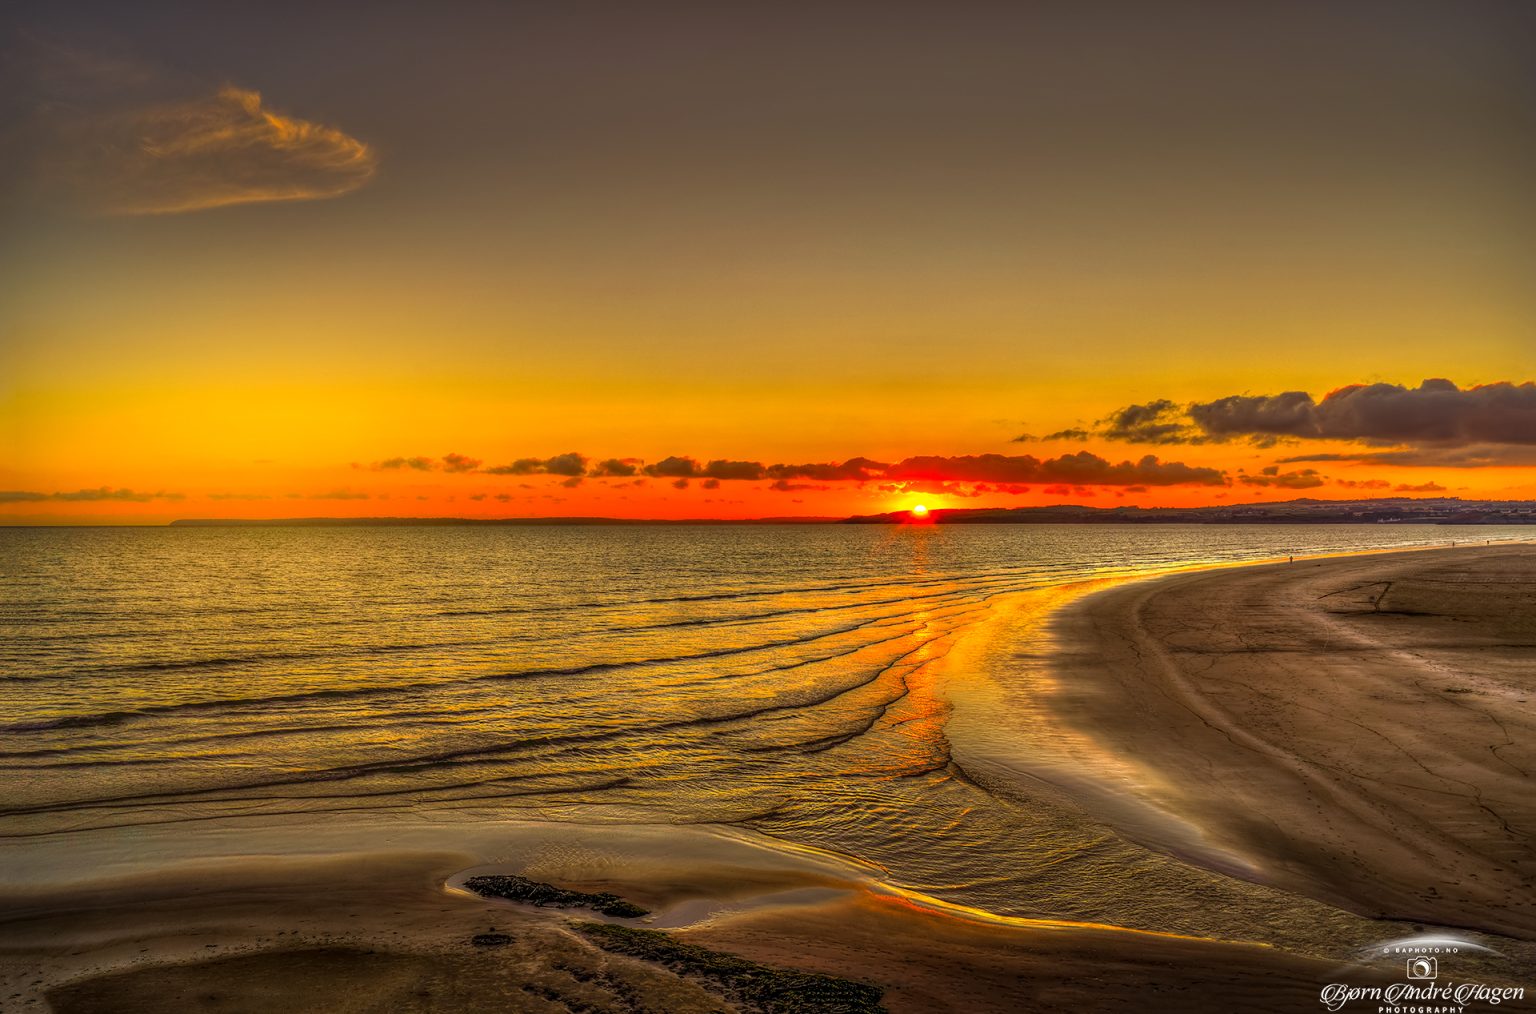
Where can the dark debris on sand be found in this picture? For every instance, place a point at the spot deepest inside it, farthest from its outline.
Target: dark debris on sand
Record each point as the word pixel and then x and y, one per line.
pixel 490 940
pixel 753 986
pixel 532 892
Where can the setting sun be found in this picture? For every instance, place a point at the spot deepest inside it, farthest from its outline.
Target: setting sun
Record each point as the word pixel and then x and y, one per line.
pixel 919 511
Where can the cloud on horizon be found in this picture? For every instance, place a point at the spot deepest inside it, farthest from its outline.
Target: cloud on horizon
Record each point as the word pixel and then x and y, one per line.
pixel 569 464
pixel 1000 473
pixel 1080 469
pixel 100 494
pixel 452 462
pixel 1306 478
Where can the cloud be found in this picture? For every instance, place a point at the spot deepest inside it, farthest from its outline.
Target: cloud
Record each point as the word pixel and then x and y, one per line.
pixel 1437 413
pixel 1009 472
pixel 1080 469
pixel 1330 456
pixel 1364 483
pixel 127 154
pixel 394 464
pixel 996 472
pixel 785 486
pixel 1306 478
pixel 673 468
pixel 1288 414
pixel 677 467
pixel 1423 487
pixel 722 469
pixel 98 495
pixel 616 467
pixel 1156 422
pixel 932 488
pixel 451 462
pixel 1474 456
pixel 855 469
pixel 569 464
pixel 522 466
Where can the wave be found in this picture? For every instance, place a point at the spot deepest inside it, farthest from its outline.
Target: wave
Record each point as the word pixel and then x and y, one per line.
pixel 477 755
pixel 401 689
pixel 261 658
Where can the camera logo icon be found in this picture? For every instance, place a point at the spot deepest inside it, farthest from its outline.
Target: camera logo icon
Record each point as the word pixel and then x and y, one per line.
pixel 1423 967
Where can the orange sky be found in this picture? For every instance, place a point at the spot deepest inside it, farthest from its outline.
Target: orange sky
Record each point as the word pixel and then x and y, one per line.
pixel 241 266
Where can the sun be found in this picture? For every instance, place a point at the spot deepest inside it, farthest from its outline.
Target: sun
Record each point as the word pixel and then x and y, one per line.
pixel 919 511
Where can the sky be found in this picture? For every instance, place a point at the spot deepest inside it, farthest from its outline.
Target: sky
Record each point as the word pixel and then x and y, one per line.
pixel 761 260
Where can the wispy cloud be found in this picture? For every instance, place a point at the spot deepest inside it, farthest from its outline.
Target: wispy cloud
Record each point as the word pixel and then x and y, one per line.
pixel 213 151
pixel 119 136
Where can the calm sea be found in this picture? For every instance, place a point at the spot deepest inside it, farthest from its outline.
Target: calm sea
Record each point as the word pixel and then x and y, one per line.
pixel 788 680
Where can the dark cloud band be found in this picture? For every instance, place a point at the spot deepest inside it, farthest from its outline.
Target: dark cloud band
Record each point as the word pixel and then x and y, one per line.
pixel 1436 416
pixel 1079 469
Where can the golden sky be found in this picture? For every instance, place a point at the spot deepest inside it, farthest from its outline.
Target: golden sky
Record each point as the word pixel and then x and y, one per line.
pixel 282 263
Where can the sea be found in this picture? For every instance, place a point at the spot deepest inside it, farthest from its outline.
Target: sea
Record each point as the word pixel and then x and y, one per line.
pixel 808 684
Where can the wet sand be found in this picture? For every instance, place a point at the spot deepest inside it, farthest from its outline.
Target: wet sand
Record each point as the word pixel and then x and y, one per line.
pixel 378 932
pixel 1361 730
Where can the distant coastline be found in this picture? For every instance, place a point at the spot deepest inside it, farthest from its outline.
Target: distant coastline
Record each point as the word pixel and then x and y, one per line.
pixel 387 522
pixel 1379 511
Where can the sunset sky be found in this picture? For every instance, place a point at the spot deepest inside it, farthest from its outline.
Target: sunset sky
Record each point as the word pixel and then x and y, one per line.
pixel 688 260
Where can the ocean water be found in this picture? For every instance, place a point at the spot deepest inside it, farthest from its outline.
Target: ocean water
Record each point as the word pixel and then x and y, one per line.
pixel 792 681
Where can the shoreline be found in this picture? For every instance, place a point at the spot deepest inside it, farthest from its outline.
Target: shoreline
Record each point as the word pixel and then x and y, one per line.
pixel 1298 718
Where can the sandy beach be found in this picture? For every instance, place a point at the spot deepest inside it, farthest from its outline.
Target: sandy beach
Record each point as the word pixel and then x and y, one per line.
pixel 1355 732
pixel 1360 730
